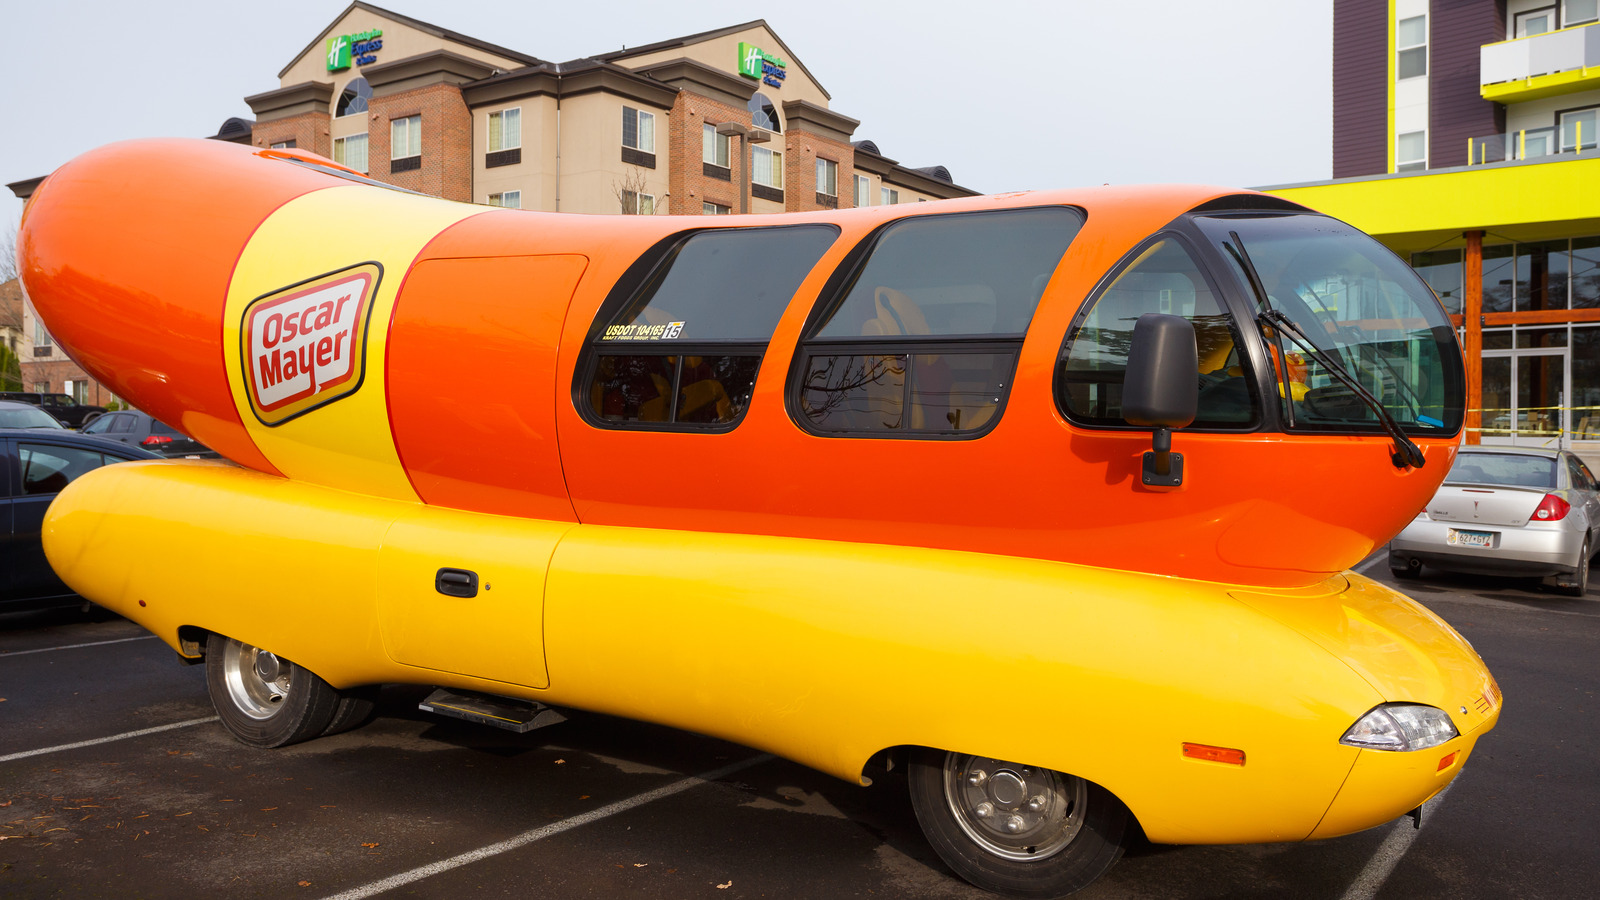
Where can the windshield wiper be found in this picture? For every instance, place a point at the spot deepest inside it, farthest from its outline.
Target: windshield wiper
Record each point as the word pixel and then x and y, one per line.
pixel 1406 452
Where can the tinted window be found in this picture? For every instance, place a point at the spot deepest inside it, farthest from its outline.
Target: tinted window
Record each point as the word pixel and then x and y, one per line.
pixel 163 428
pixel 684 349
pixel 123 424
pixel 923 335
pixel 1513 469
pixel 972 274
pixel 1162 278
pixel 46 469
pixel 100 425
pixel 724 285
pixel 27 417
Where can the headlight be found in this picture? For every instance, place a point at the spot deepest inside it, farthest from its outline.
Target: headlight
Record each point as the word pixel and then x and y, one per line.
pixel 1401 726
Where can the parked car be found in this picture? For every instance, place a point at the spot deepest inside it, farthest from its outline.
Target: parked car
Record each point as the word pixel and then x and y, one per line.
pixel 70 412
pixel 22 415
pixel 139 429
pixel 35 464
pixel 1508 511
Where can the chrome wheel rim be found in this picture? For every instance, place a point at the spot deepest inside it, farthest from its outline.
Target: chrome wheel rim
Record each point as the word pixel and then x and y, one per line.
pixel 1015 812
pixel 257 681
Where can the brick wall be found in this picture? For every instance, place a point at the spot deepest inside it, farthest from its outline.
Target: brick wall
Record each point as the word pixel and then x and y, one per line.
pixel 800 170
pixel 446 169
pixel 309 131
pixel 686 179
pixel 56 372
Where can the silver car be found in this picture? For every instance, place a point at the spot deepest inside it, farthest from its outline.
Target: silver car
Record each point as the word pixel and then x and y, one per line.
pixel 1507 511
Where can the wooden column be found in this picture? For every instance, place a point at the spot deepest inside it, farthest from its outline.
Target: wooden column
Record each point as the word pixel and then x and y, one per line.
pixel 1472 338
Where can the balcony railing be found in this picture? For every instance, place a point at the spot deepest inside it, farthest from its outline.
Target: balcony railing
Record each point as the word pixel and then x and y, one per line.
pixel 1541 54
pixel 1531 143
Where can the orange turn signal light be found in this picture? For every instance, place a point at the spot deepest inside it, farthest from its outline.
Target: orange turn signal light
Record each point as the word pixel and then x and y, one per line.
pixel 1448 760
pixel 1214 754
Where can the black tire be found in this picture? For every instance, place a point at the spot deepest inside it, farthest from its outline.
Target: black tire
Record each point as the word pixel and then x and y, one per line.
pixel 264 700
pixel 1067 831
pixel 1581 577
pixel 355 709
pixel 1401 568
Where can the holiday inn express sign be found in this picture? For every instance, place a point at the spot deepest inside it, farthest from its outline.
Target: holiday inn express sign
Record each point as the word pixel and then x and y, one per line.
pixel 761 65
pixel 358 48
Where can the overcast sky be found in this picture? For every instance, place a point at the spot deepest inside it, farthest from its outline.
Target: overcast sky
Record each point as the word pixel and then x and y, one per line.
pixel 1008 95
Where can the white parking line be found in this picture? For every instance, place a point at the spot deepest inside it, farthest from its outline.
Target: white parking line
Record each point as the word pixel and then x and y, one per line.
pixel 142 637
pixel 544 831
pixel 105 740
pixel 1388 855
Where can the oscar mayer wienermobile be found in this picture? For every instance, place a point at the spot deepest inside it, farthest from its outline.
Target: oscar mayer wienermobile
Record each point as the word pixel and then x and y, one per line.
pixel 1049 496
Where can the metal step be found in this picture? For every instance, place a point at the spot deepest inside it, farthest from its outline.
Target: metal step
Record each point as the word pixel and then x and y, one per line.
pixel 488 709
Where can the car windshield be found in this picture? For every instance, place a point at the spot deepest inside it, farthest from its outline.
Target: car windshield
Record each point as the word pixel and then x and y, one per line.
pixel 1360 305
pixel 27 417
pixel 1511 469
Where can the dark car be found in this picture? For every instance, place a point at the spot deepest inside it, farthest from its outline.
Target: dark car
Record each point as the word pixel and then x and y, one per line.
pixel 69 411
pixel 35 464
pixel 139 429
pixel 23 415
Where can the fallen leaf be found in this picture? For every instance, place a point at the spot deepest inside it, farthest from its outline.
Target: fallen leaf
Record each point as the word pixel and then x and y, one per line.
pixel 560 761
pixel 371 845
pixel 583 797
pixel 189 813
pixel 305 884
pixel 269 809
pixel 723 887
pixel 640 865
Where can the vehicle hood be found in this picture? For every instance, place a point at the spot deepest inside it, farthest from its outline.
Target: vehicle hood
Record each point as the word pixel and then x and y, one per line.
pixel 1407 654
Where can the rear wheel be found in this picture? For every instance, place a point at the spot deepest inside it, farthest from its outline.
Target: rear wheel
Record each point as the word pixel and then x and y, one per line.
pixel 265 700
pixel 1016 830
pixel 1580 585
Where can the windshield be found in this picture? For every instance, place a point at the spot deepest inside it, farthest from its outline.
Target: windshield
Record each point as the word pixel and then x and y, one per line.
pixel 1357 303
pixel 27 417
pixel 1511 469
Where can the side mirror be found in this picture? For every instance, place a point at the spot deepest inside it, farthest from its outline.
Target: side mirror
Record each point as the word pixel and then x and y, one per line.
pixel 1162 389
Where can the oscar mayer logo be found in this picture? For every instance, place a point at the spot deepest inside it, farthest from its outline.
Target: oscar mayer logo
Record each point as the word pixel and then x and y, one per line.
pixel 305 346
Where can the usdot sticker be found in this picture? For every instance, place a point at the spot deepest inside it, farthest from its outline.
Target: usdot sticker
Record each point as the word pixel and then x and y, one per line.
pixel 643 332
pixel 305 346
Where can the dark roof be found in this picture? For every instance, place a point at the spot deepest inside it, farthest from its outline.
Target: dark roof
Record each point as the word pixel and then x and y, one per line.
pixel 234 126
pixel 939 172
pixel 868 146
pixel 420 25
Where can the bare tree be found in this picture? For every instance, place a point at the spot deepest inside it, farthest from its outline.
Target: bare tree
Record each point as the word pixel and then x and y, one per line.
pixel 8 256
pixel 631 196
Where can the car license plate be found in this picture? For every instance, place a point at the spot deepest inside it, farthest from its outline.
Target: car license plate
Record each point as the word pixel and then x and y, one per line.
pixel 1469 538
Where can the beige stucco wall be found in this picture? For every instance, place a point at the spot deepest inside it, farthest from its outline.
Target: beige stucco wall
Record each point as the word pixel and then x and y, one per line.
pixel 535 176
pixel 723 53
pixel 399 42
pixel 592 169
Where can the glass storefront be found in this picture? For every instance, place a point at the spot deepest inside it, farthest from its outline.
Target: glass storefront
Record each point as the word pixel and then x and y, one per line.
pixel 1541 382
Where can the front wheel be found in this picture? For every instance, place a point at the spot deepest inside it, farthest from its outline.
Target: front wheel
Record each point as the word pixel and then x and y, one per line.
pixel 1016 830
pixel 263 699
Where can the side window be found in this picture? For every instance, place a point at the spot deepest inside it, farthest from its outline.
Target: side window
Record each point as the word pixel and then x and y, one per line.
pixel 100 425
pixel 46 469
pixel 1162 277
pixel 922 335
pixel 681 352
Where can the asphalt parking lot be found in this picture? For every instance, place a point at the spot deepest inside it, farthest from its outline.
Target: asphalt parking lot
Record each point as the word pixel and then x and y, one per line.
pixel 116 782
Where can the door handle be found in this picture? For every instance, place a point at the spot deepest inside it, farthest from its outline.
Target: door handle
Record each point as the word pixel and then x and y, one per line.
pixel 456 583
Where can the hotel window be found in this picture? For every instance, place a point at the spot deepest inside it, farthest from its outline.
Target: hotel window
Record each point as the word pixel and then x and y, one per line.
pixel 354 98
pixel 1537 21
pixel 1579 12
pixel 863 190
pixel 680 351
pixel 1411 152
pixel 1578 130
pixel 708 208
pixel 351 151
pixel 509 199
pixel 505 138
pixel 714 147
pixel 405 144
pixel 922 340
pixel 637 204
pixel 284 145
pixel 767 167
pixel 888 196
pixel 827 177
pixel 41 337
pixel 1411 44
pixel 763 114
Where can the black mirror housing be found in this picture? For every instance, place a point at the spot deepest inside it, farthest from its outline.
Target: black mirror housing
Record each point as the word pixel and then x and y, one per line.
pixel 1162 389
